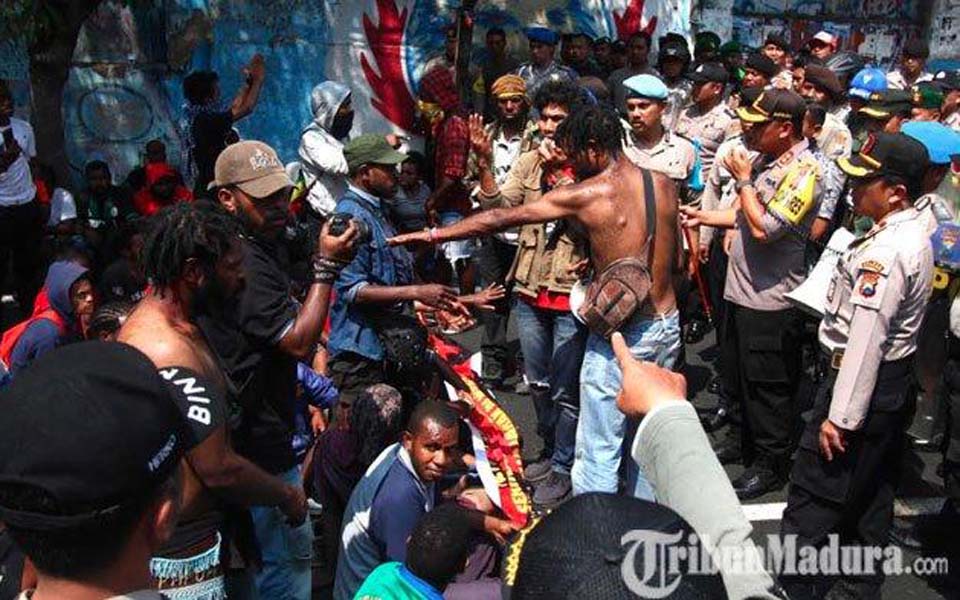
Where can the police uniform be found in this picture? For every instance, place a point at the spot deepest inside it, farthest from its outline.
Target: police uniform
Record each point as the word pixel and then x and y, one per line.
pixel 941 223
pixel 762 331
pixel 706 128
pixel 672 155
pixel 875 306
pixel 835 139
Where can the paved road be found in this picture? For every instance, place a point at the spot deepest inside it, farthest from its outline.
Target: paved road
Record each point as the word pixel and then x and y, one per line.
pixel 919 479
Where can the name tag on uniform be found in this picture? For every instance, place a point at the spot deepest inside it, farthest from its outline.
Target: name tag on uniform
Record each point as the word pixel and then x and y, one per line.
pixel 795 196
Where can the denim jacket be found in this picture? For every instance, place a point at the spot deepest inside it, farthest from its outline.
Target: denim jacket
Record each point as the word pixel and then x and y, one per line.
pixel 351 327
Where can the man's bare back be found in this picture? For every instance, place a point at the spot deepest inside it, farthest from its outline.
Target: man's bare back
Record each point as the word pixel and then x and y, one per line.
pixel 171 341
pixel 611 208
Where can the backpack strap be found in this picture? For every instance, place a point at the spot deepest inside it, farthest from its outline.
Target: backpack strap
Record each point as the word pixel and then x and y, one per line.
pixel 650 203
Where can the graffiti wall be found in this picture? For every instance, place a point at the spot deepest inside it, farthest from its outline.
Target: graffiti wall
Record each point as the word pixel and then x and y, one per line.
pixel 129 64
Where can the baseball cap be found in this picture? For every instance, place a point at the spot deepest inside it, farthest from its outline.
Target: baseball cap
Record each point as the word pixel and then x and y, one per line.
pixel 674 50
pixel 645 86
pixel 916 49
pixel 252 166
pixel 887 154
pixel 948 80
pixel 93 425
pixel 824 37
pixel 825 79
pixel 763 64
pixel 885 104
pixel 773 104
pixel 541 34
pixel 709 72
pixel 940 141
pixel 371 148
pixel 866 82
pixel 579 550
pixel 927 95
pixel 779 40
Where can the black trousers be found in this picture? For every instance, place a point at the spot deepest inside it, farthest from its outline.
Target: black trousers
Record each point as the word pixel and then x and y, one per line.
pixel 851 496
pixel 352 374
pixel 21 231
pixel 494 259
pixel 762 362
pixel 951 454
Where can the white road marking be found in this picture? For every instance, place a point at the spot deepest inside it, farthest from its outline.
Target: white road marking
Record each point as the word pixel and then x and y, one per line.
pixel 902 507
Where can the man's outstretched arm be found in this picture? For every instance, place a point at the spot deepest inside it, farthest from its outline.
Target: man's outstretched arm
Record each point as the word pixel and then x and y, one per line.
pixel 557 204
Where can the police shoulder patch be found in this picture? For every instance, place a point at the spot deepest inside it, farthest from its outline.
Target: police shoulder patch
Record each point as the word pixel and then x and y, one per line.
pixel 868 281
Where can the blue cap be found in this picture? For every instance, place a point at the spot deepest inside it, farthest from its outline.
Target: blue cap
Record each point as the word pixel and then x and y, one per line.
pixel 538 33
pixel 868 81
pixel 940 141
pixel 645 86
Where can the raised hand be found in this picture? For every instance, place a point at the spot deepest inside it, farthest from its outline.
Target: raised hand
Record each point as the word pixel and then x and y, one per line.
pixel 481 142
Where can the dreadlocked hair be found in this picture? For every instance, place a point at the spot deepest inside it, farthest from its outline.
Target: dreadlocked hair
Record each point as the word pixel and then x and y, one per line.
pixel 108 319
pixel 200 230
pixel 591 125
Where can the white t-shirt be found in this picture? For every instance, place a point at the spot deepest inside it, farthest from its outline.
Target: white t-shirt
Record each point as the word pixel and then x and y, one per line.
pixel 16 183
pixel 62 207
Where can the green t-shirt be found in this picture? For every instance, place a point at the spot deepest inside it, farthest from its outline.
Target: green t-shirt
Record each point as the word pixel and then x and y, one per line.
pixel 392 581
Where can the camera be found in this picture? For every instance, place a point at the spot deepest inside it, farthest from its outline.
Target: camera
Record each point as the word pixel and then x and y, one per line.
pixel 340 221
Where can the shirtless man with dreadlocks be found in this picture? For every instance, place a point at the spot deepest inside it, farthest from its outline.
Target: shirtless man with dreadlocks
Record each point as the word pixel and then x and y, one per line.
pixel 610 205
pixel 193 257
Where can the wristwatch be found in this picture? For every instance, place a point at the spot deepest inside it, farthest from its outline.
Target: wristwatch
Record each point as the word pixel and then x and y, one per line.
pixel 742 183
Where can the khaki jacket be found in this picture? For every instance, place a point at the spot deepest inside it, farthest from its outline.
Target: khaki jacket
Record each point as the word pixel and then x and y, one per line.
pixel 543 259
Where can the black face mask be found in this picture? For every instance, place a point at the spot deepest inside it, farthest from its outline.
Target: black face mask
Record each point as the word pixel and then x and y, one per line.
pixel 342 124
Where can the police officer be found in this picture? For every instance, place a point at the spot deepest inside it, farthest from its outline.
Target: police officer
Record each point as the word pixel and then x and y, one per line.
pixel 650 145
pixel 845 474
pixel 823 87
pixel 778 200
pixel 705 122
pixel 707 119
pixel 719 193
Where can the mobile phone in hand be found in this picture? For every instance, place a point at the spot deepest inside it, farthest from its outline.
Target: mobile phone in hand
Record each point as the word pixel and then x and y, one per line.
pixel 8 140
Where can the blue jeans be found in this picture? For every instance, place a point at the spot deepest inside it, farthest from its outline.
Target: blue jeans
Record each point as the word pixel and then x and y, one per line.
pixel 604 436
pixel 553 343
pixel 287 551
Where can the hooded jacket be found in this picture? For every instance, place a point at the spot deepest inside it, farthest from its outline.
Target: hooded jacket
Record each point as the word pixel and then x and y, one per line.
pixel 41 333
pixel 321 154
pixel 146 202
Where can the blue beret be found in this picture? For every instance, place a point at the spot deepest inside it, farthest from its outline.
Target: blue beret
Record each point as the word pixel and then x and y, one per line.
pixel 646 86
pixel 941 141
pixel 540 34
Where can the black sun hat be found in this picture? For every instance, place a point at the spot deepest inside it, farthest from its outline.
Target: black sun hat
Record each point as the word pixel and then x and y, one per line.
pixel 93 426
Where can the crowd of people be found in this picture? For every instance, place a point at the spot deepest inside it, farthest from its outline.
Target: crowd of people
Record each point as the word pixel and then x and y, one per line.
pixel 219 385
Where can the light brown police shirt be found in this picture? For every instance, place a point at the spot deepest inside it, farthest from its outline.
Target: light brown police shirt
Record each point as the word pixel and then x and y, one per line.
pixel 875 305
pixel 708 129
pixel 672 155
pixel 761 273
